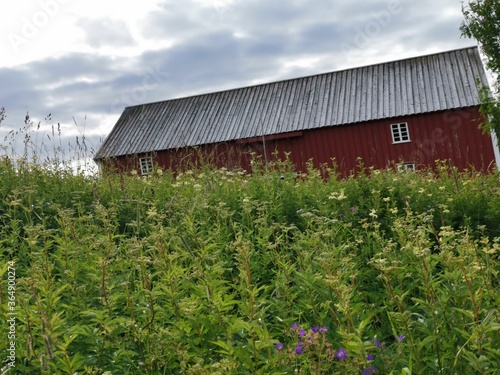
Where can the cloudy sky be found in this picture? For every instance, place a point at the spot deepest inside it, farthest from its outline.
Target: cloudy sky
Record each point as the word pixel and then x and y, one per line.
pixel 82 62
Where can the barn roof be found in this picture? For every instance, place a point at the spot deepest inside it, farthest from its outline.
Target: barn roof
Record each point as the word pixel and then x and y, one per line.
pixel 416 85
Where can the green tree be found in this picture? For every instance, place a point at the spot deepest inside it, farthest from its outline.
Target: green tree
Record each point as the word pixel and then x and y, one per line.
pixel 482 22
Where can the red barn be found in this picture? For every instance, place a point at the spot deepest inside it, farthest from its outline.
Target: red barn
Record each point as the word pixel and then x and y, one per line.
pixel 412 111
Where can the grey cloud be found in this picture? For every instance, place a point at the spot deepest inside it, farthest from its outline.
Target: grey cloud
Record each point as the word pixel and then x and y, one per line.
pixel 54 86
pixel 106 32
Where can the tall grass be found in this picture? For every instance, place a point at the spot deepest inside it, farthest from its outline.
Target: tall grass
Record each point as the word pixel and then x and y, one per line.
pixel 213 271
pixel 42 143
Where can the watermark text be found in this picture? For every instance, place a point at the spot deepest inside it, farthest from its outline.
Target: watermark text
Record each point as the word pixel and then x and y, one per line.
pixel 10 360
pixel 31 26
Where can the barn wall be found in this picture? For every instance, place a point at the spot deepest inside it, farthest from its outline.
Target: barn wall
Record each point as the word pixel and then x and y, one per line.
pixel 444 135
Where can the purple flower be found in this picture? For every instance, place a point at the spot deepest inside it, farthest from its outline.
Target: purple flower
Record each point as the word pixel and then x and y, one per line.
pixel 323 329
pixel 309 339
pixel 298 350
pixel 315 329
pixel 341 354
pixel 302 333
pixel 369 371
pixel 377 343
pixel 279 346
pixel 299 344
pixel 294 326
pixel 400 338
pixel 369 357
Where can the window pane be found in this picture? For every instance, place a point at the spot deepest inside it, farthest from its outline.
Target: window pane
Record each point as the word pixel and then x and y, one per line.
pixel 146 165
pixel 400 132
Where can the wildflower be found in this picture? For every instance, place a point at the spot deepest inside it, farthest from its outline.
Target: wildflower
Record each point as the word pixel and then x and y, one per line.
pixel 300 344
pixel 369 371
pixel 369 357
pixel 152 213
pixel 338 196
pixel 373 213
pixel 279 346
pixel 341 195
pixel 294 326
pixel 323 329
pixel 314 329
pixel 302 333
pixel 341 354
pixel 298 350
pixel 400 338
pixel 377 343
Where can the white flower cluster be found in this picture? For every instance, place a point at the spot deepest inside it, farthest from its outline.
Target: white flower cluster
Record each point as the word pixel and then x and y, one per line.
pixel 338 195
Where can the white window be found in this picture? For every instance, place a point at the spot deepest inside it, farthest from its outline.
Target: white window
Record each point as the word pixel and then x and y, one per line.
pixel 400 133
pixel 146 165
pixel 403 167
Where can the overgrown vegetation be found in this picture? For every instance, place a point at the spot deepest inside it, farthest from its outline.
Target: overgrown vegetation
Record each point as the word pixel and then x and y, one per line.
pixel 221 272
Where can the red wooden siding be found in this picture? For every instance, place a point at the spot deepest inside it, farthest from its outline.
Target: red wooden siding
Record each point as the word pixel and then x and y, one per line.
pixel 452 135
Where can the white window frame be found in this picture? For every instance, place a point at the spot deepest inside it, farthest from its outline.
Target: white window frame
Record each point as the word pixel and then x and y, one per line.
pixel 406 167
pixel 400 133
pixel 146 165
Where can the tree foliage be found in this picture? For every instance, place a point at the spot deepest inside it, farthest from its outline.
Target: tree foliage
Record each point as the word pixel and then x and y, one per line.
pixel 482 22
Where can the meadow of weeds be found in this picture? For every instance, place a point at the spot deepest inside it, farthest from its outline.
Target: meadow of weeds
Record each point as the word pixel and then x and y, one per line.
pixel 221 272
